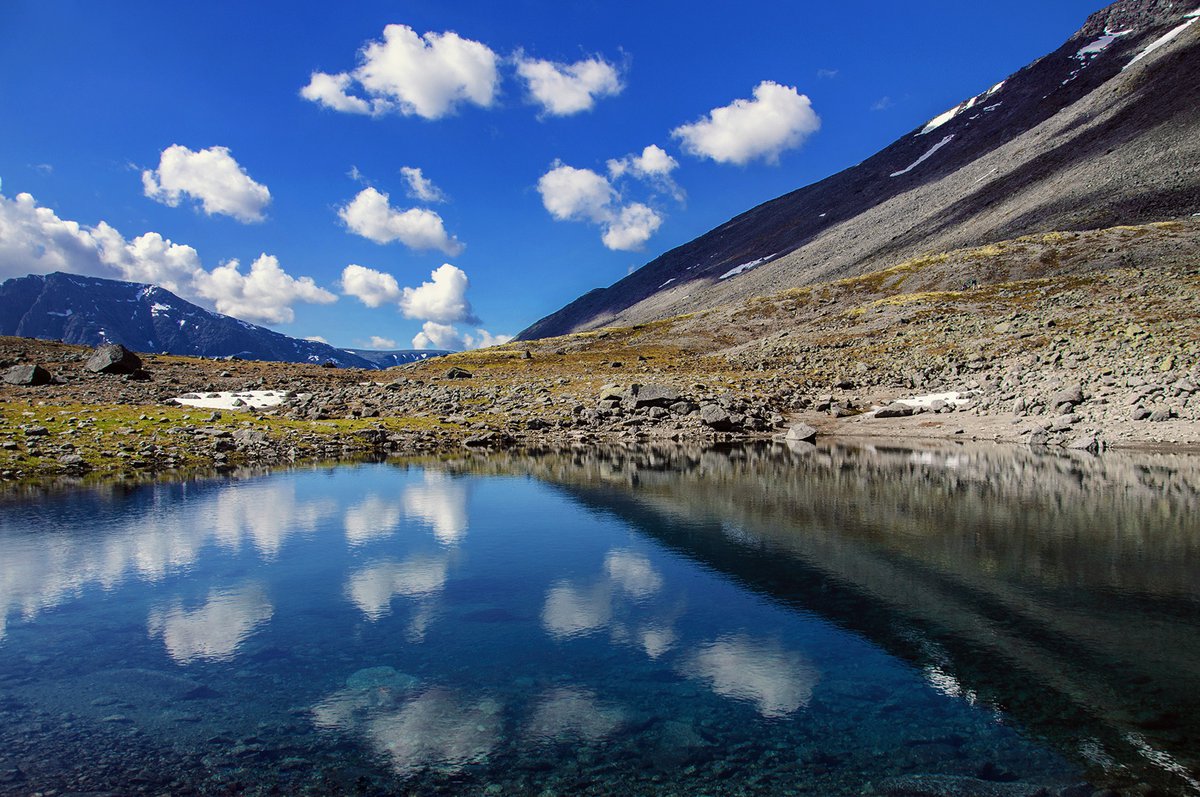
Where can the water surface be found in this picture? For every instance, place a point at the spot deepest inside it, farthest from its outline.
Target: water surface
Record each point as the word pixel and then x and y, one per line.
pixel 843 620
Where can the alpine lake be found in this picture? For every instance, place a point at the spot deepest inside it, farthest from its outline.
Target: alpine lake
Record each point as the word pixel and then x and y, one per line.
pixel 850 618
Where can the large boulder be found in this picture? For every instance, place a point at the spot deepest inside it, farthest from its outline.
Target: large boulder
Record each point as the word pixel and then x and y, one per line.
pixel 802 432
pixel 897 409
pixel 458 373
pixel 27 375
pixel 113 358
pixel 655 396
pixel 716 418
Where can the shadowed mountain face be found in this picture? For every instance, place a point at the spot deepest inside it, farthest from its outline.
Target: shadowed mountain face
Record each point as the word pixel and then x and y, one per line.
pixel 1058 590
pixel 91 311
pixel 1085 137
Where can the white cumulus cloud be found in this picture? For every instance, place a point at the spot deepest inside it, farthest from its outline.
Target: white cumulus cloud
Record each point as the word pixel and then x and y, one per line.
pixel 370 215
pixel 446 336
pixel 777 119
pixel 210 176
pixel 565 89
pixel 443 299
pixel 440 303
pixel 265 294
pixel 421 187
pixel 426 76
pixel 571 194
pixel 653 165
pixel 380 342
pixel 631 227
pixel 653 162
pixel 33 239
pixel 331 91
pixel 372 288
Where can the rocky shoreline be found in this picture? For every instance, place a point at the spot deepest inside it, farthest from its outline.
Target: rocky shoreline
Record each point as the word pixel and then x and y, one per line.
pixel 1085 341
pixel 57 427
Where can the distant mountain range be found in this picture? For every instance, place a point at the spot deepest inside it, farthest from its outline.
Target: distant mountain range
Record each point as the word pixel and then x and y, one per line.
pixel 1104 131
pixel 147 318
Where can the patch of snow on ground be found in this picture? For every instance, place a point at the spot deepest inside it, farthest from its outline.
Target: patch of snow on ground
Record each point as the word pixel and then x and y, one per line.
pixel 64 314
pixel 923 158
pixel 159 309
pixel 224 400
pixel 665 284
pixel 1166 37
pixel 955 398
pixel 733 272
pixel 1101 44
pixel 995 88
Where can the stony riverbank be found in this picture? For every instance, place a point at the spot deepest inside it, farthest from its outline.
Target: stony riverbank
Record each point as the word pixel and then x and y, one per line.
pixel 1104 353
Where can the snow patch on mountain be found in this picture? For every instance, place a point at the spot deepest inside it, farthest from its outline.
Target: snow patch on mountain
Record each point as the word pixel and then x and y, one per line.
pixel 1191 18
pixel 1100 45
pixel 924 157
pixel 943 118
pixel 744 267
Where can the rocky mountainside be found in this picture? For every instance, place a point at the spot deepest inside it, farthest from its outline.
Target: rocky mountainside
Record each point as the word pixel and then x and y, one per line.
pixel 1103 131
pixel 91 311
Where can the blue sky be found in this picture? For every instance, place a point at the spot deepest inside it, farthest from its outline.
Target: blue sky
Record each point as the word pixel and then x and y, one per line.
pixel 128 125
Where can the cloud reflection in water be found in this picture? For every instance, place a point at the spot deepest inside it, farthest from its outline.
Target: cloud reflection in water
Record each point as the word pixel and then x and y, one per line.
pixel 777 681
pixel 215 630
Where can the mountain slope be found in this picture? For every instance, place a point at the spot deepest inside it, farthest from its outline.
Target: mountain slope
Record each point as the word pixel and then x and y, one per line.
pixel 1086 137
pixel 90 311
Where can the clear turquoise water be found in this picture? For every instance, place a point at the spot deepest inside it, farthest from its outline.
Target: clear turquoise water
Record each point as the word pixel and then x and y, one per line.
pixel 769 622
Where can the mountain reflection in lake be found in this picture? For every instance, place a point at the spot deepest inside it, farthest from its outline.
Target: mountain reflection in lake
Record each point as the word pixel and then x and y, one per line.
pixel 837 620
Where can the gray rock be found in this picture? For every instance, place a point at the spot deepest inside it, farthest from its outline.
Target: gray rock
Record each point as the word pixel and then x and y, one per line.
pixel 715 418
pixel 655 396
pixel 1064 422
pixel 1139 414
pixel 896 409
pixel 801 432
pixel 1071 395
pixel 113 358
pixel 1085 443
pixel 611 392
pixel 27 375
pixel 1160 414
pixel 458 373
pixel 249 437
